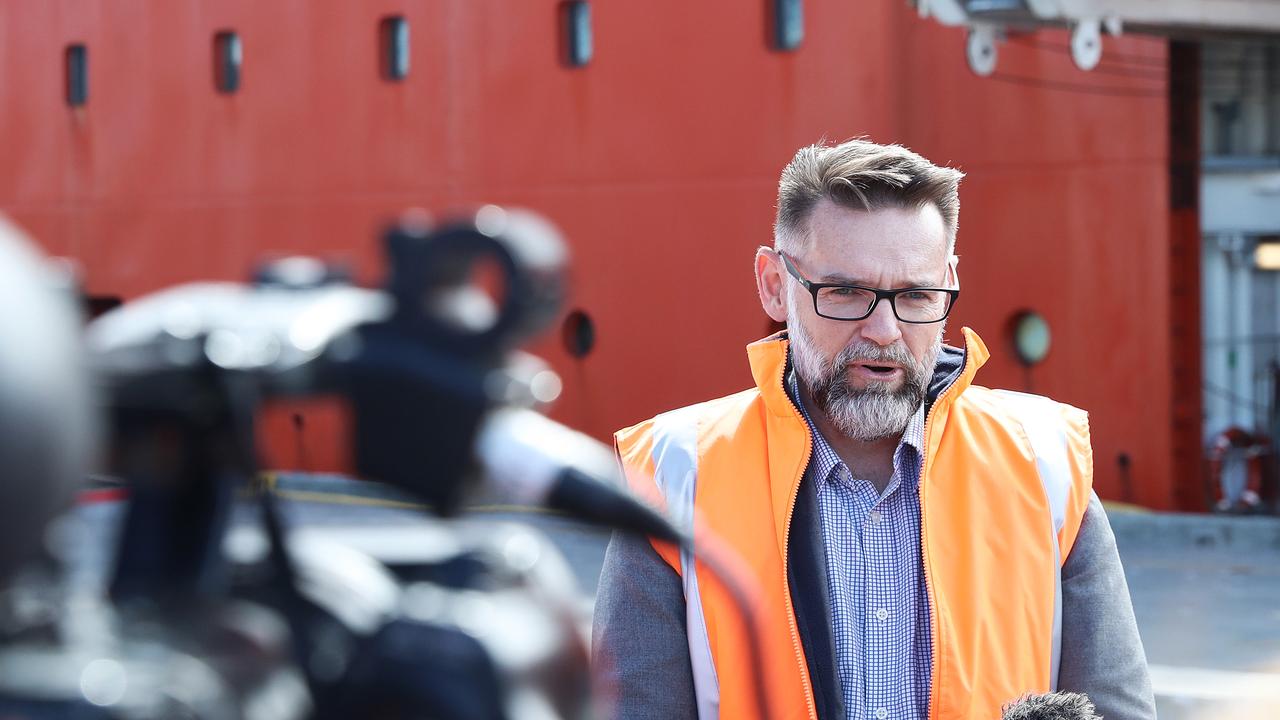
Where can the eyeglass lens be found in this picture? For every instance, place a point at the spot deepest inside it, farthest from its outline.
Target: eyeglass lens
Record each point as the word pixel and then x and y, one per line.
pixel 847 303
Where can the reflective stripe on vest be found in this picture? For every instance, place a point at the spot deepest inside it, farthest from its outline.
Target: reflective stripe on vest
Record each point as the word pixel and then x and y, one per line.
pixel 675 462
pixel 1046 429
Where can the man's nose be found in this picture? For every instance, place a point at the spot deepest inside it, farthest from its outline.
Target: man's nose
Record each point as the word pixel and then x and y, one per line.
pixel 881 327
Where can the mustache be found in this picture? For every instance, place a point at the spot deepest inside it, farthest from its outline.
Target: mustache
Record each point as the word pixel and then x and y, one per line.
pixel 864 351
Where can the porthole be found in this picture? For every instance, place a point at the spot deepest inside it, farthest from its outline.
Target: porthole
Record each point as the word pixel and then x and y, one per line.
pixel 393 44
pixel 575 25
pixel 228 59
pixel 77 72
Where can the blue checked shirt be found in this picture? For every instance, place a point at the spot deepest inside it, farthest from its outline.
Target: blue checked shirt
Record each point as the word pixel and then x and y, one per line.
pixel 880 607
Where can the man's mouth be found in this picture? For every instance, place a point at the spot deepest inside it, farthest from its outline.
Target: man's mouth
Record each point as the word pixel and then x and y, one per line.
pixel 876 371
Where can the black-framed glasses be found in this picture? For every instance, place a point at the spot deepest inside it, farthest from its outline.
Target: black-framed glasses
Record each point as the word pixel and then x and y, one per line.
pixel 916 305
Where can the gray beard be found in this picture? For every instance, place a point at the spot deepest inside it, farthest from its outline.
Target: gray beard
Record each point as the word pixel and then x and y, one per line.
pixel 875 412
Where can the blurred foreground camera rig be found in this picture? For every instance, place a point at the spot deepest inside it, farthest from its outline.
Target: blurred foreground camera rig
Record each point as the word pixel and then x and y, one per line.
pixel 205 618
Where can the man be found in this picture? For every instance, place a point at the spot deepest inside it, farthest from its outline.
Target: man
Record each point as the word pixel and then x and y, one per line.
pixel 922 546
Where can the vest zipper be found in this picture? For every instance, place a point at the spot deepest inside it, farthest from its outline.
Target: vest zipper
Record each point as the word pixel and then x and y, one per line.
pixel 786 555
pixel 924 551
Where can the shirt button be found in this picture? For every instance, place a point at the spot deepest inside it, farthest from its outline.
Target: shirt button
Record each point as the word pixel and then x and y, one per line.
pixel 874 517
pixel 882 614
pixel 881 713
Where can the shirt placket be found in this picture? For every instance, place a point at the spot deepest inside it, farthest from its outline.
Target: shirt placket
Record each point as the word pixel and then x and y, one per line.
pixel 881 614
pixel 852 570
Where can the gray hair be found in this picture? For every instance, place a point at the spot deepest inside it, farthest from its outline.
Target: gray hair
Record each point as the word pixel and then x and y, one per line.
pixel 862 175
pixel 1051 706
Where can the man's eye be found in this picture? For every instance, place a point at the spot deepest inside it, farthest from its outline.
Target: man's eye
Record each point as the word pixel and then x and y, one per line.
pixel 845 291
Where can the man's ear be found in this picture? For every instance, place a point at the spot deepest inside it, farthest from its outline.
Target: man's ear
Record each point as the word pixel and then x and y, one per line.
pixel 770 284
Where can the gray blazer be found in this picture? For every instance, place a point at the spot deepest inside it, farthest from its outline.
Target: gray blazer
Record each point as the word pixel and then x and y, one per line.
pixel 641 656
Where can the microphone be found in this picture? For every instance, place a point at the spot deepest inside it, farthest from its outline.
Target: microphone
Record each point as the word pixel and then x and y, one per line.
pixel 535 459
pixel 1051 706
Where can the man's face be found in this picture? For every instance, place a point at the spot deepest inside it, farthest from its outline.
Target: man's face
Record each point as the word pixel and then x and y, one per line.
pixel 868 376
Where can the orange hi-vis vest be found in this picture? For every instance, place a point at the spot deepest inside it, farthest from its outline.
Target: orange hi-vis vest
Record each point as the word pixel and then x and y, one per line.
pixel 1005 483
